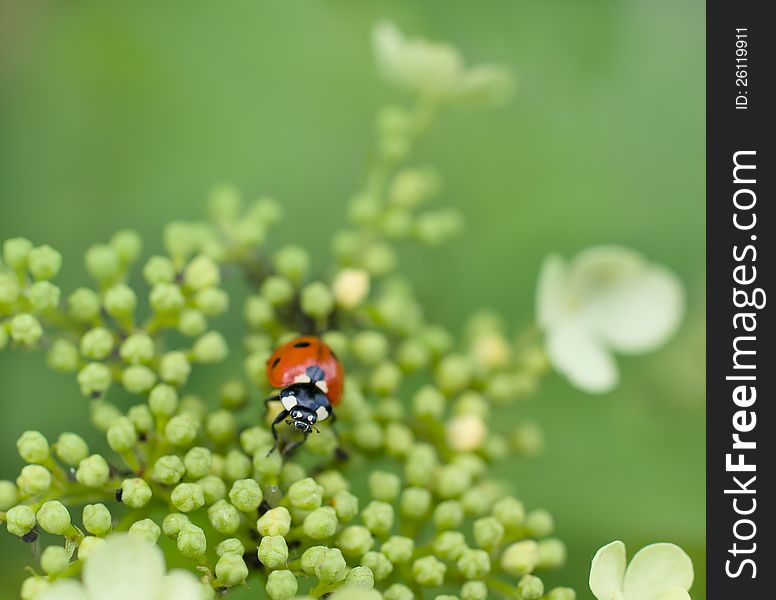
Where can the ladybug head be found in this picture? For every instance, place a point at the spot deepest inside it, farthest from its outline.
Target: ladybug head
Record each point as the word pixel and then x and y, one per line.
pixel 302 419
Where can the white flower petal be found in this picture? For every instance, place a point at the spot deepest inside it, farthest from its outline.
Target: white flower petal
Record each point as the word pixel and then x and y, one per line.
pixel 642 312
pixel 64 589
pixel 586 363
pixel 124 568
pixel 551 292
pixel 180 585
pixel 655 570
pixel 676 593
pixel 607 570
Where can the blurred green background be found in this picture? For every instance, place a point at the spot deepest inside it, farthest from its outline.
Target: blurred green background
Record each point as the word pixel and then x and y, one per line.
pixel 123 114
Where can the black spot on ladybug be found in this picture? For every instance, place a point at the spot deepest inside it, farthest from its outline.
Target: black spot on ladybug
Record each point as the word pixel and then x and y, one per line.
pixel 301 344
pixel 275 364
pixel 119 494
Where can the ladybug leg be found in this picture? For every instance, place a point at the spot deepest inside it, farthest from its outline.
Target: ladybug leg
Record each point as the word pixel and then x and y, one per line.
pixel 281 415
pixel 272 398
pixel 340 452
pixel 294 445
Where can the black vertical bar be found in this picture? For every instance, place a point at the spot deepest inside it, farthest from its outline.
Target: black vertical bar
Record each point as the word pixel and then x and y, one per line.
pixel 740 274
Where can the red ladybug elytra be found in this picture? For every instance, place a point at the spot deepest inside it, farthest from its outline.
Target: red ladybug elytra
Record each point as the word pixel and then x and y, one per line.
pixel 311 378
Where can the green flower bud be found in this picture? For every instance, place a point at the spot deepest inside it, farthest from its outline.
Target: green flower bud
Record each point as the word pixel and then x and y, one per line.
pixel 138 379
pixel 510 512
pixel 159 269
pixel 173 523
pixel 305 494
pixel 385 379
pixel 234 394
pixel 26 330
pixel 539 523
pixel 62 357
pixel 181 430
pixel 474 564
pixel 355 541
pixel 332 482
pixel 398 591
pixel 97 343
pixel 191 541
pixel 368 435
pixel 384 486
pixel 264 466
pixel 346 505
pixel 361 578
pixel 488 532
pixel 231 570
pixel 187 497
pixel 230 546
pixel 448 515
pixel 321 523
pixel 474 590
pixel 273 551
pixel 174 368
pixel 192 322
pixel 479 499
pixel 316 300
pixel 530 588
pixel 33 447
pixel 94 379
pixel 378 259
pixel 428 403
pixel 378 517
pixel 145 529
pixel 137 348
pixel 398 549
pixel 212 301
pixel 198 461
pixel 245 495
pixel 97 519
pixel 202 272
pixel 20 520
pixel 54 560
pixel 9 289
pixel 16 252
pixel 34 587
pixel 428 571
pixel 311 557
pixel 122 436
pixel 141 417
pixel 224 517
pixel 34 480
pixel 8 495
pixel 281 585
pixel 413 355
pixel 120 300
pixel 54 517
pixel 44 296
pixel 278 290
pixel 378 563
pixel 415 502
pixel 561 593
pixel 452 481
pixel 88 545
pixel 168 469
pixel 275 522
pixel 221 426
pixel 210 348
pixel 127 244
pixel 331 566
pixel 213 487
pixel 102 262
pixel 84 304
pixel 258 312
pixel 166 298
pixel 254 438
pixel 135 492
pixel 44 262
pixel 552 554
pixel 370 347
pixel 163 400
pixel 520 558
pixel 93 471
pixel 237 466
pixel 450 545
pixel 292 261
pixel 398 439
pixel 291 473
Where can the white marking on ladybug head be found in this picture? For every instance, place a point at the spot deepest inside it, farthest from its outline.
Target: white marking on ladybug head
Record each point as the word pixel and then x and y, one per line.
pixel 322 413
pixel 288 402
pixel 302 378
pixel 322 386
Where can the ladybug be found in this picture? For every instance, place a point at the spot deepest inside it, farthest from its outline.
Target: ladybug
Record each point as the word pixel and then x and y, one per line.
pixel 311 377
